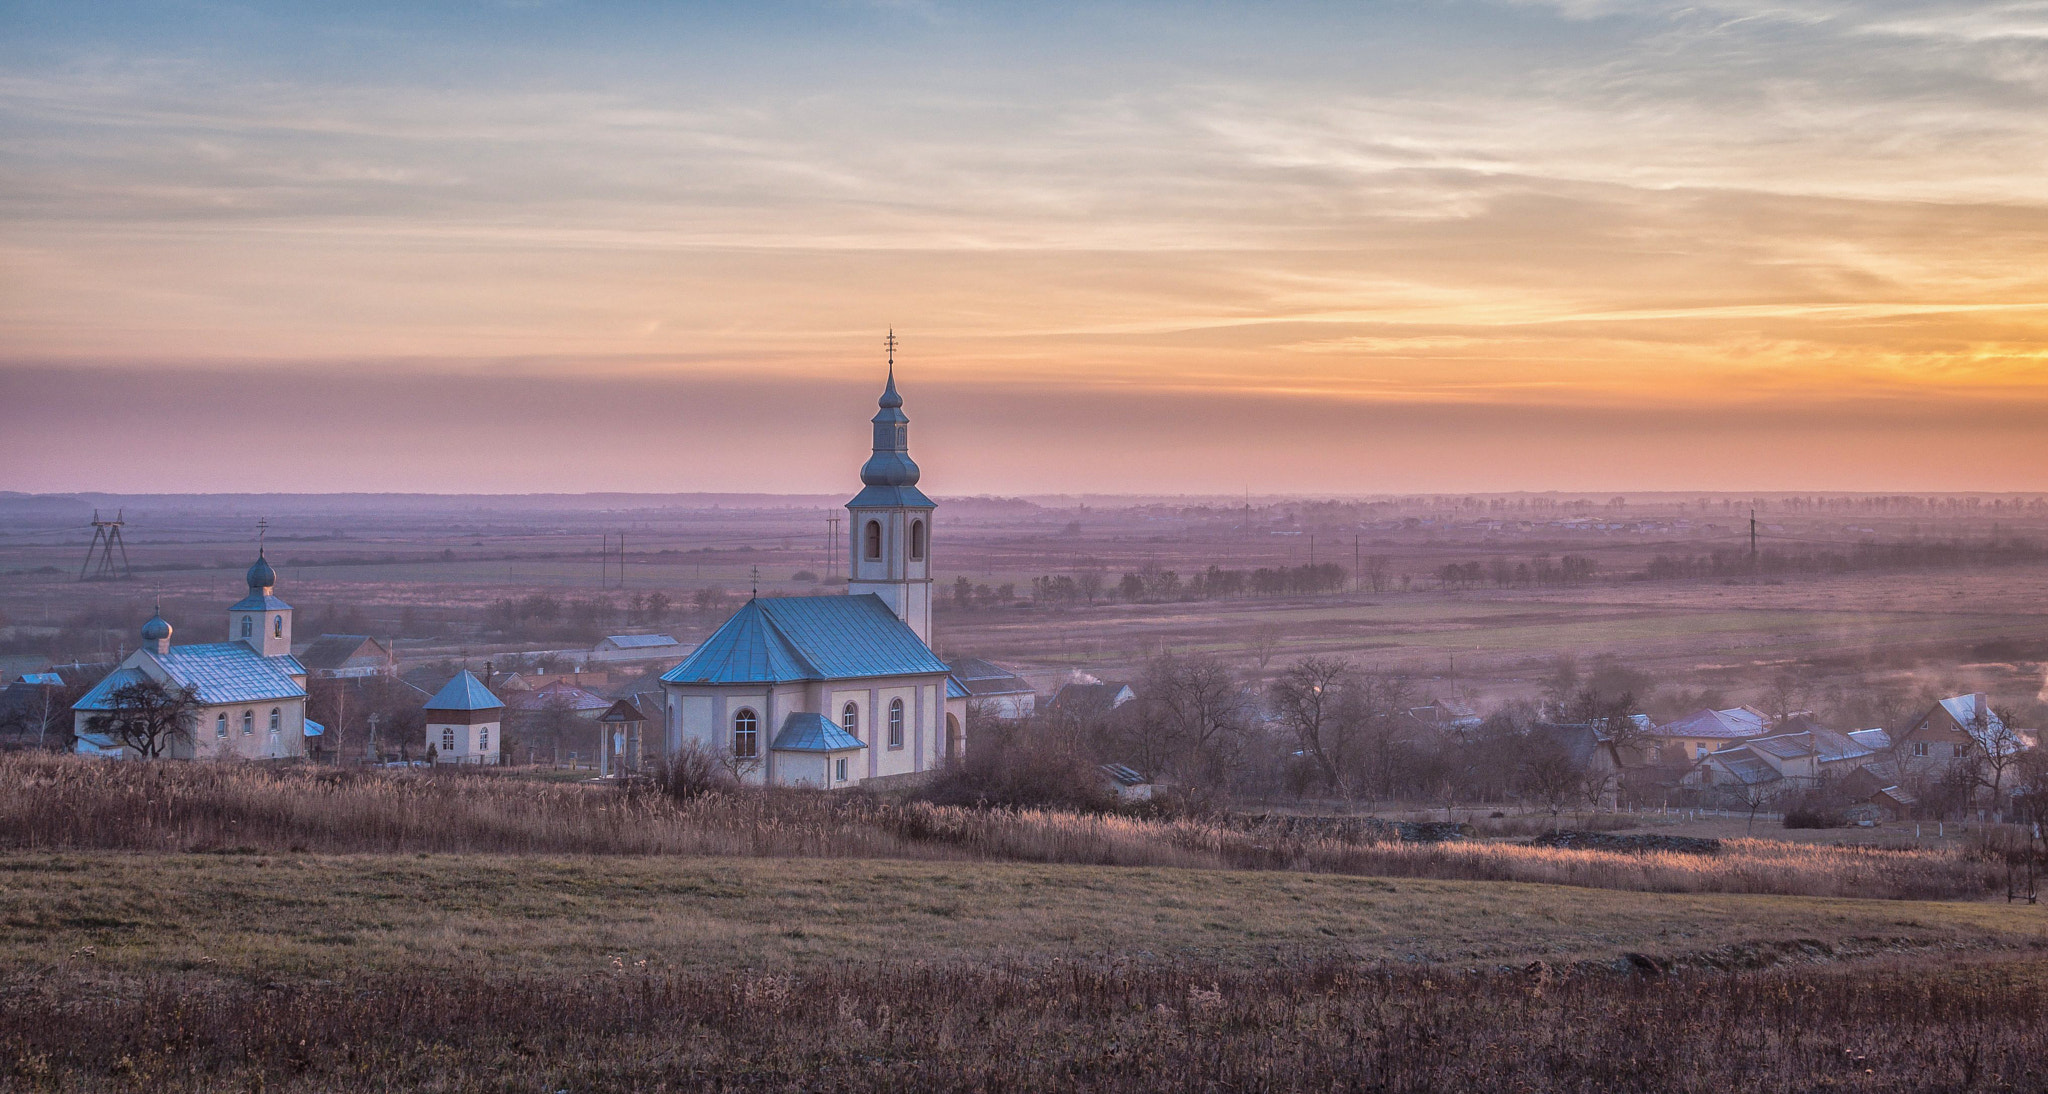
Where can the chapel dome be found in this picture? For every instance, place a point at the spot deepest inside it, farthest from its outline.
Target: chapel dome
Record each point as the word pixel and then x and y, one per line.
pixel 158 629
pixel 261 576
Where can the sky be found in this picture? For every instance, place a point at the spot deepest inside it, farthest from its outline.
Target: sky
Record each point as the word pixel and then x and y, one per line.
pixel 1343 248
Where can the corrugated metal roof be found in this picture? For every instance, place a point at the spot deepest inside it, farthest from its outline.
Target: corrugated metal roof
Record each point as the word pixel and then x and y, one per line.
pixel 1708 725
pixel 957 690
pixel 464 692
pixel 981 677
pixel 1876 740
pixel 101 695
pixel 231 672
pixel 219 672
pixel 258 602
pixel 314 729
pixel 808 638
pixel 804 731
pixel 640 641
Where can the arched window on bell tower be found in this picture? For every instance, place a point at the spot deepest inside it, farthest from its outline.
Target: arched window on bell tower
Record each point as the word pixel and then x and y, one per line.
pixel 871 541
pixel 917 541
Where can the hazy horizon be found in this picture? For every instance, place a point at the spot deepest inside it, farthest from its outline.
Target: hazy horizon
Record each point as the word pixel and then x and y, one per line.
pixel 1526 245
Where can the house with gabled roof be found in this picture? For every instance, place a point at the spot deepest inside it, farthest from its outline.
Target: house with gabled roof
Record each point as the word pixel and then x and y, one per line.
pixel 251 691
pixel 1692 737
pixel 346 656
pixel 637 647
pixel 794 690
pixel 1000 692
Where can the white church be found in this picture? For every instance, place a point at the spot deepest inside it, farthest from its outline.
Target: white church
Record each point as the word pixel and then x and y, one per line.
pixel 830 691
pixel 251 690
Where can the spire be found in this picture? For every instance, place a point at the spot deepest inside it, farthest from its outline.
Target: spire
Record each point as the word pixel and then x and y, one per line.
pixel 891 464
pixel 891 400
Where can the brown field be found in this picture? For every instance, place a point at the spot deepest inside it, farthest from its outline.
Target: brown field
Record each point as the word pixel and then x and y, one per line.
pixel 372 932
pixel 423 571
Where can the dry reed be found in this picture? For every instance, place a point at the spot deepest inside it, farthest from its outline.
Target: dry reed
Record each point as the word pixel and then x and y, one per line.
pixel 64 803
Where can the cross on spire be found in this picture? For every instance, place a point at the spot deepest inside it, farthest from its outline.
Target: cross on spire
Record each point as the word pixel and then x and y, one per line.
pixel 890 343
pixel 757 583
pixel 262 529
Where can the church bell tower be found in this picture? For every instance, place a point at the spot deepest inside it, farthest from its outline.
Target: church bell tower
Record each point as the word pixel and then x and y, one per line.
pixel 890 521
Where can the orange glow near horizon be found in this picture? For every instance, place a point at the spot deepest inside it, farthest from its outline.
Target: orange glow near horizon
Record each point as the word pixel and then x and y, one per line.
pixel 1570 245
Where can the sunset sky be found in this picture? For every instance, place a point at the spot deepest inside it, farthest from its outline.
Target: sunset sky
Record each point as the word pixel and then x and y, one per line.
pixel 1317 248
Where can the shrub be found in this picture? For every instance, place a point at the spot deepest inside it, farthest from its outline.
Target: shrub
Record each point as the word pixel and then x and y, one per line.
pixel 1815 816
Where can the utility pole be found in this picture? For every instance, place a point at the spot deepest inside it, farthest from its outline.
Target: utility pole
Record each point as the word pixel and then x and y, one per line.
pixel 622 560
pixel 831 548
pixel 1752 547
pixel 604 560
pixel 1354 562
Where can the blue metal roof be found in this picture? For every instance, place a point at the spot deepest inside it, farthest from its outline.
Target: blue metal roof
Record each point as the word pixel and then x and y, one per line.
pixel 314 729
pixel 258 602
pixel 465 692
pixel 640 641
pixel 891 497
pixel 231 672
pixel 219 672
pixel 807 732
pixel 101 695
pixel 955 689
pixel 808 638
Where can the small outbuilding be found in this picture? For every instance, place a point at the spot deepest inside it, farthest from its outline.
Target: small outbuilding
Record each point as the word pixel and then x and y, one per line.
pixel 463 722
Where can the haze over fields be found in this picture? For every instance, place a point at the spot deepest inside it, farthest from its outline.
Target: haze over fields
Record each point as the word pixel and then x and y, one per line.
pixel 1578 245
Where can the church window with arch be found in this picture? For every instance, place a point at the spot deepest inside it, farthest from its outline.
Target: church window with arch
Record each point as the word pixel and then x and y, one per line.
pixel 220 724
pixel 277 626
pixel 483 739
pixel 746 734
pixel 248 722
pixel 276 720
pixel 447 739
pixel 917 540
pixel 248 626
pixel 871 547
pixel 849 720
pixel 895 723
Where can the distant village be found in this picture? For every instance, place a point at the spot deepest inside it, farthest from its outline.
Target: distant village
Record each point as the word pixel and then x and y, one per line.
pixel 843 689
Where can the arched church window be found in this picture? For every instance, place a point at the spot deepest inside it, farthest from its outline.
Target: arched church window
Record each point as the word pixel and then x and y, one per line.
pixel 746 734
pixel 276 720
pixel 248 626
pixel 895 723
pixel 277 626
pixel 248 722
pixel 220 724
pixel 849 720
pixel 917 540
pixel 872 548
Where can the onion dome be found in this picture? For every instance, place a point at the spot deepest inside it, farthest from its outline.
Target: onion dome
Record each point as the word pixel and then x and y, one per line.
pixel 891 464
pixel 158 629
pixel 261 576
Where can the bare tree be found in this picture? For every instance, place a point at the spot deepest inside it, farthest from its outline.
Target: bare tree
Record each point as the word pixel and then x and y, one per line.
pixel 148 717
pixel 1263 643
pixel 1551 777
pixel 1307 698
pixel 1200 710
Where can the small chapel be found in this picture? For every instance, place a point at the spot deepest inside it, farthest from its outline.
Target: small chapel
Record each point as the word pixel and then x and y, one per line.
pixel 834 690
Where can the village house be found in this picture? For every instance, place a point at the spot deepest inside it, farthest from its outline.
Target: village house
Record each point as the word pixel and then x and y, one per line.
pixel 637 647
pixel 1692 737
pixel 1091 700
pixel 346 657
pixel 997 690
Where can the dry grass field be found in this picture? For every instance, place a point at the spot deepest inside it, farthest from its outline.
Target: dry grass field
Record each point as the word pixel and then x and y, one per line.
pixel 188 927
